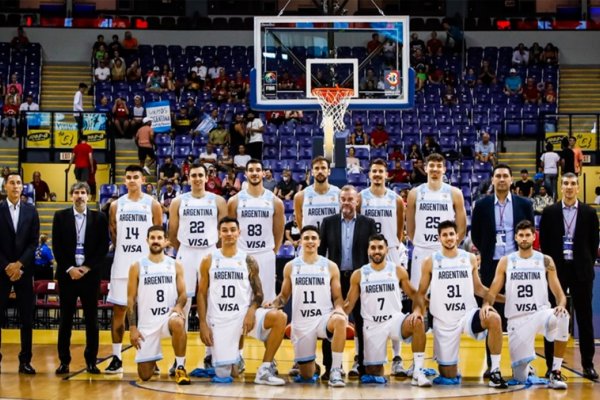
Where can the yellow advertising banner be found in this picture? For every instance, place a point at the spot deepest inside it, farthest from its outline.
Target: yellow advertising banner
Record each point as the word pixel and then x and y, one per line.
pixel 585 140
pixel 591 182
pixel 38 138
pixel 65 139
pixel 96 139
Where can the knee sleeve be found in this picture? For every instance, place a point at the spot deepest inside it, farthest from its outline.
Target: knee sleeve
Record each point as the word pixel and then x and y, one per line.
pixel 520 372
pixel 223 372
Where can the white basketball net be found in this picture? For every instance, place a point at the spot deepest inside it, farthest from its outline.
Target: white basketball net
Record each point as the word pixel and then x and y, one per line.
pixel 333 102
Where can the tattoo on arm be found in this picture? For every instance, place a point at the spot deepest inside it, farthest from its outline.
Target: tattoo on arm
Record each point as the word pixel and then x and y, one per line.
pixel 549 264
pixel 255 282
pixel 132 315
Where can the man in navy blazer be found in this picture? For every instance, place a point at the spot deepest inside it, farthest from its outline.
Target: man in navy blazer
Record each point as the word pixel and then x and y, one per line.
pixel 20 227
pixel 493 223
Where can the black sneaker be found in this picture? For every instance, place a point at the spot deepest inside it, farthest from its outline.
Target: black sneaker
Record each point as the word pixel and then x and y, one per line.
pixel 487 374
pixel 115 366
pixel 208 362
pixel 496 380
pixel 172 369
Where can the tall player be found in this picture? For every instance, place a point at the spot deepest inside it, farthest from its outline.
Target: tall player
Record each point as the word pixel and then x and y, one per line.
pixel 229 299
pixel 454 279
pixel 129 218
pixel 262 220
pixel 155 301
pixel 193 231
pixel 379 285
pixel 386 207
pixel 527 275
pixel 426 206
pixel 319 200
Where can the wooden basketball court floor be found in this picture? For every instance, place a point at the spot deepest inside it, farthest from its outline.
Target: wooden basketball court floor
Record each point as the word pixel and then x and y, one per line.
pixel 80 385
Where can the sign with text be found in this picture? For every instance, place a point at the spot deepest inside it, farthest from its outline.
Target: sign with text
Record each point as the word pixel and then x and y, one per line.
pixel 160 113
pixel 585 140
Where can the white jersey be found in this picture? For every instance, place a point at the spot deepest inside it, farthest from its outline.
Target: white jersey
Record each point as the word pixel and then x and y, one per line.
pixel 229 292
pixel 526 285
pixel 311 291
pixel 380 293
pixel 383 210
pixel 198 220
pixel 134 218
pixel 157 292
pixel 431 208
pixel 452 293
pixel 316 207
pixel 255 215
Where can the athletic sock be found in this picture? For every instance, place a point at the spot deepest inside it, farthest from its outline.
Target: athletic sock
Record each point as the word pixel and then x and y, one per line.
pixel 208 351
pixel 265 364
pixel 117 349
pixel 180 361
pixel 396 348
pixel 336 359
pixel 557 364
pixel 418 359
pixel 495 362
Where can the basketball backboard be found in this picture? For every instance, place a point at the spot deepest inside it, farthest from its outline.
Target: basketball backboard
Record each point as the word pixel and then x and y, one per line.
pixel 293 55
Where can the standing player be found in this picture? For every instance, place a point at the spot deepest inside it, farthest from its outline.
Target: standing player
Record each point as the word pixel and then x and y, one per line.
pixel 319 200
pixel 427 205
pixel 155 301
pixel 380 285
pixel 313 282
pixel 385 207
pixel 193 231
pixel 262 221
pixel 454 280
pixel 527 275
pixel 129 217
pixel 229 299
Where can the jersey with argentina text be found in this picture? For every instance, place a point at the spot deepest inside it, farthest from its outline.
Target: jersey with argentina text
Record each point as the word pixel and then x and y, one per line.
pixel 380 293
pixel 157 292
pixel 316 206
pixel 431 208
pixel 229 291
pixel 452 292
pixel 383 210
pixel 255 215
pixel 526 285
pixel 134 218
pixel 198 220
pixel 311 292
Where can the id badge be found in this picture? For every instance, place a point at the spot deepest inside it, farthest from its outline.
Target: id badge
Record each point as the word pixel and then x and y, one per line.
pixel 568 247
pixel 79 255
pixel 500 237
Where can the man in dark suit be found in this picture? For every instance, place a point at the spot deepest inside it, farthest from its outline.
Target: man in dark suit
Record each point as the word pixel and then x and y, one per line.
pixel 345 241
pixel 569 234
pixel 20 227
pixel 80 243
pixel 493 223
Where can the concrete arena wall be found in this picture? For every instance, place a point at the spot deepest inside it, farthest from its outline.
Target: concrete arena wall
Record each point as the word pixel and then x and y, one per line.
pixel 62 44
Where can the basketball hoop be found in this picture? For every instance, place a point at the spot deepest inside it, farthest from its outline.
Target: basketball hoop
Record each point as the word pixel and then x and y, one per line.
pixel 334 102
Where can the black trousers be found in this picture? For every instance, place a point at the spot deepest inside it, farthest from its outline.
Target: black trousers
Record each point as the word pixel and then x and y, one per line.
pixel 255 150
pixel 25 303
pixel 88 290
pixel 358 328
pixel 581 296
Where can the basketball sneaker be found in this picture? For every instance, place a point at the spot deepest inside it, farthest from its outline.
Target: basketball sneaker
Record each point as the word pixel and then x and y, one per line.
pixel 241 365
pixel 172 369
pixel 208 362
pixel 115 366
pixel 354 370
pixel 335 378
pixel 295 370
pixel 397 368
pixel 496 380
pixel 266 376
pixel 556 381
pixel 181 376
pixel 419 379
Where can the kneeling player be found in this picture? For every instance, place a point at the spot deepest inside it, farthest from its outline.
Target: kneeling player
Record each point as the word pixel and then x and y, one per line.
pixel 313 281
pixel 229 296
pixel 527 275
pixel 380 284
pixel 155 300
pixel 454 281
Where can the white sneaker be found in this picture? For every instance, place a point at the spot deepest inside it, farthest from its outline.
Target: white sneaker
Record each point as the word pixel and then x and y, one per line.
pixel 410 370
pixel 354 370
pixel 556 381
pixel 397 368
pixel 241 365
pixel 335 378
pixel 146 170
pixel 419 379
pixel 265 376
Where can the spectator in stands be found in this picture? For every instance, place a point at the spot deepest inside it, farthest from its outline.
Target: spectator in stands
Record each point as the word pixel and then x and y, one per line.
pixel 541 201
pixel 221 93
pixel 14 96
pixel 237 133
pixel 44 261
pixel 100 54
pixel 168 171
pixel 285 82
pixel 295 116
pixel 182 123
pixel 358 137
pixel 369 77
pixel 82 157
pixel 166 197
pixel 149 190
pixel 29 105
pixel 14 82
pixel 171 84
pixel 200 69
pixel 449 78
pixel 115 45
pixel 120 114
pixel 305 182
pixel 352 162
pixel 470 77
pixel 3 175
pixel 434 44
pixel 414 153
pixel 597 192
pixel 292 233
pixel 524 187
pixel 239 87
pixel 219 137
pixel 485 150
pixel 520 56
pixel 10 112
pixel 418 57
pixel 577 153
pixel 20 41
pixel 420 76
pixel 398 174
pixel 531 94
pixel 449 98
pixel 374 43
pixel 416 44
pixel 116 56
pixel 535 53
pixel 192 111
pixel 40 187
pixel 213 182
pixel 396 154
pixel 550 161
pixel 418 174
pixel 208 157
pixel 102 72
pixel 430 146
pixel 144 140
pixel 549 93
pixel 96 46
pixel 193 81
pixel 118 72
pixel 241 159
pixel 78 107
pixel 138 112
pixel 550 55
pixel 390 52
pixel 487 76
pixel 225 160
pixel 155 82
pixel 286 187
pixel 134 72
pixel 232 185
pixel 379 136
pixel 254 129
pixel 454 38
pixel 130 44
pixel 215 70
pixel 2 90
pixel 269 181
pixel 208 123
pixel 436 75
pixel 567 157
pixel 513 85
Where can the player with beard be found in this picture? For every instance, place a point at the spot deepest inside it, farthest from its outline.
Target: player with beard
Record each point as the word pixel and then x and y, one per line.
pixel 155 300
pixel 454 280
pixel 527 275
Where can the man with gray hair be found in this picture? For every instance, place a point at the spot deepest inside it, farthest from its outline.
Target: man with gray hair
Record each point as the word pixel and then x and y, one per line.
pixel 485 150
